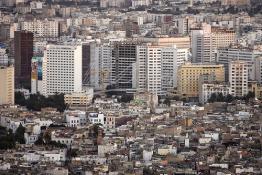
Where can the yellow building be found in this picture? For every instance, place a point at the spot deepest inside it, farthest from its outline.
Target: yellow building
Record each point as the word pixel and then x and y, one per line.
pixel 79 99
pixel 188 77
pixel 7 85
pixel 188 122
pixel 255 87
pixel 235 2
pixel 180 42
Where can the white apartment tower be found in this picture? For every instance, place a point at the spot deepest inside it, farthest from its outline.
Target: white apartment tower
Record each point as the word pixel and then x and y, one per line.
pixel 62 69
pixel 169 68
pixel 237 52
pixel 140 69
pixel 105 65
pixel 206 40
pixel 238 78
pixel 156 67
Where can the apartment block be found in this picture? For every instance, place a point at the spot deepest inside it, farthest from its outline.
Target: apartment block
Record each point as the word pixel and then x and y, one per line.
pixel 156 67
pixel 235 52
pixel 206 40
pixel 258 69
pixel 62 69
pixel 207 89
pixel 123 57
pixel 238 78
pixel 79 99
pixel 41 28
pixel 7 85
pixel 23 45
pixel 182 42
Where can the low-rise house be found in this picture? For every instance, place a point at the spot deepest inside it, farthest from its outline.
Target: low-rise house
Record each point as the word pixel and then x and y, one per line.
pixel 167 149
pixel 97 118
pixel 63 136
pixel 76 118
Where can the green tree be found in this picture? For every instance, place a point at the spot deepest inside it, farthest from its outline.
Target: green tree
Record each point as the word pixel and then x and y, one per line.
pixel 229 98
pixel 220 97
pixel 148 171
pixel 20 99
pixel 250 95
pixel 96 128
pixel 213 98
pixel 19 134
pixel 126 98
pixel 37 101
pixel 57 101
pixel 40 140
pixel 57 144
pixel 46 137
pixel 167 101
pixel 7 140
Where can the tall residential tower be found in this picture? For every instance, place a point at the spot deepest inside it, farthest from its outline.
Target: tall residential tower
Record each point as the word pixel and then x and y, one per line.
pixel 23 45
pixel 62 69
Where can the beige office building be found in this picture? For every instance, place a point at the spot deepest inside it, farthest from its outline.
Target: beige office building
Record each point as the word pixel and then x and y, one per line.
pixel 206 40
pixel 188 77
pixel 79 99
pixel 180 42
pixel 7 85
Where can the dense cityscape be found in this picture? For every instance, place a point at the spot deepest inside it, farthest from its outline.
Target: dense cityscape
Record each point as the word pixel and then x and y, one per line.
pixel 131 87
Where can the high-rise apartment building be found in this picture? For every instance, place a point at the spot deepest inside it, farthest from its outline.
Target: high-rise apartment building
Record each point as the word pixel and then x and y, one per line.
pixel 106 65
pixel 123 57
pixel 206 40
pixel 4 31
pixel 258 69
pixel 188 77
pixel 41 28
pixel 184 24
pixel 7 85
pixel 169 68
pixel 156 67
pixel 99 65
pixel 23 45
pixel 86 49
pixel 62 69
pixel 238 78
pixel 136 65
pixel 235 52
